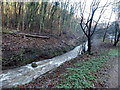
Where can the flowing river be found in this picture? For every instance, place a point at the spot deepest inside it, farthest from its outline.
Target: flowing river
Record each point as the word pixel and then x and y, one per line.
pixel 25 74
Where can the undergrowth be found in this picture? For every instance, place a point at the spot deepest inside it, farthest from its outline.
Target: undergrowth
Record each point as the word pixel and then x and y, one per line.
pixel 113 52
pixel 83 75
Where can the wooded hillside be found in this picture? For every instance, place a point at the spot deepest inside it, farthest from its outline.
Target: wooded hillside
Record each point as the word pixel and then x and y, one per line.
pixel 40 17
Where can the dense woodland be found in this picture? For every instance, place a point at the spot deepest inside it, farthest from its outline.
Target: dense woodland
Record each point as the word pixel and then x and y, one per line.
pixel 54 17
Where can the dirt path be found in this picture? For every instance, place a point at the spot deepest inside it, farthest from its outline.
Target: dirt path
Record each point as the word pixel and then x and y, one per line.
pixel 113 73
pixel 109 75
pixel 113 80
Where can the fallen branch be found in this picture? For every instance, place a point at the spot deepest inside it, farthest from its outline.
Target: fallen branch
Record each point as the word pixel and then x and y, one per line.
pixel 15 32
pixel 34 36
pixel 30 35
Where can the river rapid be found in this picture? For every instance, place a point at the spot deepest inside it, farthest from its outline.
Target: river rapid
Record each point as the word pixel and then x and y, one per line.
pixel 25 74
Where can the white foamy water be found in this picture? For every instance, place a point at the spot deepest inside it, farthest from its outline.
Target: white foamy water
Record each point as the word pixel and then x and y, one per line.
pixel 25 74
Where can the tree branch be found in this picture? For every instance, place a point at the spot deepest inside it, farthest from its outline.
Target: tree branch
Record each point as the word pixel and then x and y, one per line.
pixel 83 29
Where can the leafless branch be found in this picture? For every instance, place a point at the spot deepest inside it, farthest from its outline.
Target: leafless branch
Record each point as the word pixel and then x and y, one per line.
pixel 101 13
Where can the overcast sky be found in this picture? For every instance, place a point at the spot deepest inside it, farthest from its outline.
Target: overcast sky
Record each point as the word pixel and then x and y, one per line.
pixel 107 13
pixel 104 17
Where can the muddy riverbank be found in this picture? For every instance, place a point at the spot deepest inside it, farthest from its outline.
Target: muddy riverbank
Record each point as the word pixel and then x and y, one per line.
pixel 18 50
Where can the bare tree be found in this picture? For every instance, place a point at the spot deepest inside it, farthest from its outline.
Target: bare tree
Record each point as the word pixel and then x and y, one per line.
pixel 2 12
pixel 89 26
pixel 19 14
pixel 117 23
pixel 106 29
pixel 23 17
pixel 117 34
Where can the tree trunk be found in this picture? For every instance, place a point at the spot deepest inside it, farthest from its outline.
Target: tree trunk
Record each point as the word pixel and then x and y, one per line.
pixel 2 13
pixel 104 36
pixel 117 34
pixel 116 40
pixel 115 43
pixel 23 21
pixel 41 17
pixel 19 19
pixel 15 14
pixel 89 45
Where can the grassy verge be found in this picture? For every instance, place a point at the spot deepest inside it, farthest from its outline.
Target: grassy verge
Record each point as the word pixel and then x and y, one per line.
pixel 114 52
pixel 83 75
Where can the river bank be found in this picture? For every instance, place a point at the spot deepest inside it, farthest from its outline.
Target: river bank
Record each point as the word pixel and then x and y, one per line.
pixel 18 50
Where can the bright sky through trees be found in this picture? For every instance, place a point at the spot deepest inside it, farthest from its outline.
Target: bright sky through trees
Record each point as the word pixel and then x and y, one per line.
pixel 106 14
pixel 104 17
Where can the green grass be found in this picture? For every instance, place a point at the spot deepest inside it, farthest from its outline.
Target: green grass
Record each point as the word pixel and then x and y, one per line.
pixel 113 52
pixel 83 74
pixel 104 53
